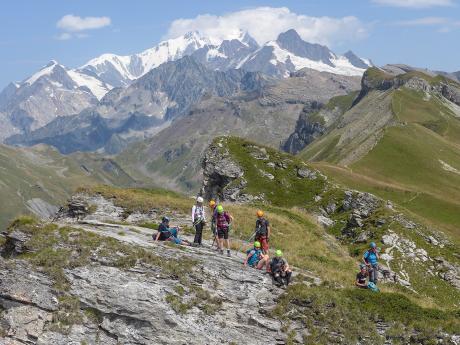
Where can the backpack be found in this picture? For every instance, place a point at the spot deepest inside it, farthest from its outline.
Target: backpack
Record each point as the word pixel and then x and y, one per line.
pixel 371 286
pixel 255 257
pixel 261 227
pixel 164 232
pixel 222 220
pixel 276 264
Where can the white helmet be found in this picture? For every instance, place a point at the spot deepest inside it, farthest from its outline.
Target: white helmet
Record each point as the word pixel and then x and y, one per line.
pixel 199 199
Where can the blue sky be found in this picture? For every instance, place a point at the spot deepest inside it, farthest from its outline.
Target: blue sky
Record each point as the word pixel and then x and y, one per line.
pixel 422 33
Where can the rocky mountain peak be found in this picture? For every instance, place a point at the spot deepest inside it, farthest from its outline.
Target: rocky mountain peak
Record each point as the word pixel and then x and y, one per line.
pixel 292 42
pixel 355 60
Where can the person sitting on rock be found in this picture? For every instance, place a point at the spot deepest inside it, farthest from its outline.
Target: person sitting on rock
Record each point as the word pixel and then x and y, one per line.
pixel 223 221
pixel 280 270
pixel 198 220
pixel 255 257
pixel 166 233
pixel 371 258
pixel 361 277
pixel 262 231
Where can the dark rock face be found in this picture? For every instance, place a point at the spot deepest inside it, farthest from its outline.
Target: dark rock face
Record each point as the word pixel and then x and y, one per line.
pixel 222 178
pixel 306 130
pixel 15 244
pixel 291 41
pixel 355 61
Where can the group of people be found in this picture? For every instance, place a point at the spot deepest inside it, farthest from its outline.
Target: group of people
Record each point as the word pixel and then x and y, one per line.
pixel 368 270
pixel 257 257
pixel 221 223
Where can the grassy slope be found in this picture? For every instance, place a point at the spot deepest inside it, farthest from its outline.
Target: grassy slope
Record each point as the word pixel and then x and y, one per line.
pixel 41 172
pixel 286 190
pixel 410 157
pixel 405 166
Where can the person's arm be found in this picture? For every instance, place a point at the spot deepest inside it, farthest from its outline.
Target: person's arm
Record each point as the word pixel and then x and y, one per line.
pixel 269 230
pixel 158 236
pixel 365 255
pixel 193 214
pixel 251 253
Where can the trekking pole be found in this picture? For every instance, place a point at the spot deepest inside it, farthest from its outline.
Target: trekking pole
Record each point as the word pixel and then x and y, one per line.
pixel 249 240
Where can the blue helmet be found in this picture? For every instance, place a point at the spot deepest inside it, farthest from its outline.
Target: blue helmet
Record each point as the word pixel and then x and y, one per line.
pixel 361 266
pixel 373 245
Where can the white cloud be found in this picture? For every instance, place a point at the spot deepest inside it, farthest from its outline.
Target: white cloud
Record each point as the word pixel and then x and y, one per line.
pixel 424 21
pixel 265 23
pixel 415 3
pixel 71 23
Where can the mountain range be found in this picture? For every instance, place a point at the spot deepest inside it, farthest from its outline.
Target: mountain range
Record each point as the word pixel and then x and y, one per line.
pixel 113 84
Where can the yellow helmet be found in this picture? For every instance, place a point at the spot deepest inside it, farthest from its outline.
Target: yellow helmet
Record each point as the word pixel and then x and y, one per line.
pixel 260 213
pixel 212 204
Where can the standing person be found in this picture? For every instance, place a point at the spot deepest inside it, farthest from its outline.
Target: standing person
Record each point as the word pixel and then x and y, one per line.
pixel 361 277
pixel 198 220
pixel 280 270
pixel 263 230
pixel 223 221
pixel 212 206
pixel 371 259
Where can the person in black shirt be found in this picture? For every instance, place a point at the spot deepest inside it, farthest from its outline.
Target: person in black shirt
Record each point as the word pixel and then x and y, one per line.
pixel 361 277
pixel 166 233
pixel 263 230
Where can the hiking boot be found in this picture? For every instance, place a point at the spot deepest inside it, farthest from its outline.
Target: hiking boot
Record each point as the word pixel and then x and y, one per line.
pixel 221 251
pixel 228 253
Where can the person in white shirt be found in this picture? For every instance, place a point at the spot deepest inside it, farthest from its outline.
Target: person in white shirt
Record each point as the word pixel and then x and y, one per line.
pixel 198 220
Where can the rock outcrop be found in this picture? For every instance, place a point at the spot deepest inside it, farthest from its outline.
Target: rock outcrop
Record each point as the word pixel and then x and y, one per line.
pixel 190 296
pixel 223 178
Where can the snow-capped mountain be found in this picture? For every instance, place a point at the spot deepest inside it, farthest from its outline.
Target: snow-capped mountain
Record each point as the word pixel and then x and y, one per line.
pixel 289 53
pixel 52 91
pixel 278 58
pixel 121 70
pixel 58 91
pixel 217 54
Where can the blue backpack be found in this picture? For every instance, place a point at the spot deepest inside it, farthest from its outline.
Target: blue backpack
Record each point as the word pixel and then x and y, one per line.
pixel 254 259
pixel 371 286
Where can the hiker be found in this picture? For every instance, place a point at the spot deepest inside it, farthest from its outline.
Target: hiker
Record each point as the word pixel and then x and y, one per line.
pixel 166 233
pixel 255 257
pixel 361 277
pixel 262 231
pixel 280 270
pixel 370 259
pixel 212 206
pixel 223 221
pixel 198 220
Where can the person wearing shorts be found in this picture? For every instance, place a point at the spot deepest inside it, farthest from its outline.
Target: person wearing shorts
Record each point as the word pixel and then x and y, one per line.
pixel 223 221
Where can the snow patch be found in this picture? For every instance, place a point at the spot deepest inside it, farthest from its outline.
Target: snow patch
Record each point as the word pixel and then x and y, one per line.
pixel 46 70
pixel 97 87
pixel 448 167
pixel 341 64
